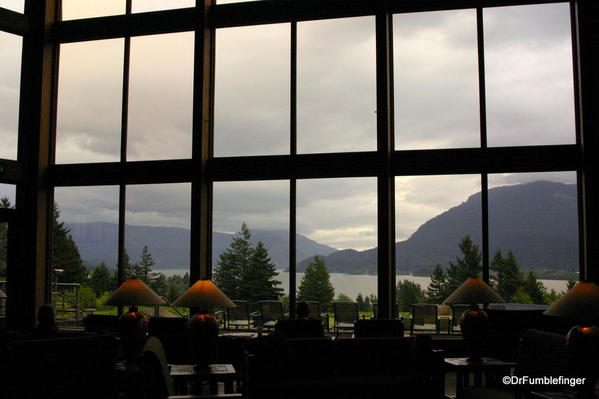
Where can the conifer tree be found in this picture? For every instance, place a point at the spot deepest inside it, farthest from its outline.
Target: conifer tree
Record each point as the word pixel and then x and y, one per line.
pixel 258 277
pixel 316 284
pixel 101 280
pixel 4 203
pixel 65 253
pixel 469 265
pixel 143 271
pixel 408 293
pixel 437 290
pixel 534 288
pixel 507 276
pixel 230 264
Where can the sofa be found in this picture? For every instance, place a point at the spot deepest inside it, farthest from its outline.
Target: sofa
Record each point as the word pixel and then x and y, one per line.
pixel 65 366
pixel 343 368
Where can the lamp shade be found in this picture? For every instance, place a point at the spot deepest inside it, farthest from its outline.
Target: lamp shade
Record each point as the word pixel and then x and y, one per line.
pixel 473 290
pixel 134 292
pixel 580 304
pixel 204 294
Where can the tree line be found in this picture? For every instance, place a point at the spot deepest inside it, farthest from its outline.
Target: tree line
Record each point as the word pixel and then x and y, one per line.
pixel 97 282
pixel 246 272
pixel 507 278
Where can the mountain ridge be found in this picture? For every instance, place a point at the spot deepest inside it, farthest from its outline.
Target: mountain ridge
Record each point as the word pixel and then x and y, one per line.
pixel 537 221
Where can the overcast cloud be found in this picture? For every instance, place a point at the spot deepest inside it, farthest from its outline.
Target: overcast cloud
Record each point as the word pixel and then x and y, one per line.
pixel 529 101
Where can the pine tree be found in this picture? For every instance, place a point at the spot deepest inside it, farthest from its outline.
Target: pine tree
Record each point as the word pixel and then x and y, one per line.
pixel 534 288
pixel 127 265
pixel 65 254
pixel 258 277
pixel 4 203
pixel 316 284
pixel 437 289
pixel 230 264
pixel 101 280
pixel 469 265
pixel 143 271
pixel 361 303
pixel 408 293
pixel 507 277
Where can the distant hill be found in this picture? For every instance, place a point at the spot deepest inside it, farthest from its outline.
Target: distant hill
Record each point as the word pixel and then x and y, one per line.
pixel 537 221
pixel 169 246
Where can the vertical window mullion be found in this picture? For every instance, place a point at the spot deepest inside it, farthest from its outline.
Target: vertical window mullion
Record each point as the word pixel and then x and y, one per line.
pixel 483 142
pixel 123 156
pixel 293 181
pixel 385 179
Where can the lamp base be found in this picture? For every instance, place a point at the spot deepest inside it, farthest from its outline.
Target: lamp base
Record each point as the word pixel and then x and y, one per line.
pixel 582 344
pixel 133 330
pixel 474 324
pixel 203 333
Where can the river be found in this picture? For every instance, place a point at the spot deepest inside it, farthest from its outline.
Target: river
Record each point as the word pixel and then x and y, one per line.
pixel 354 284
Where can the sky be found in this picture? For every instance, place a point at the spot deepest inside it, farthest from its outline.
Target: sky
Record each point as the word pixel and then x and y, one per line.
pixel 529 101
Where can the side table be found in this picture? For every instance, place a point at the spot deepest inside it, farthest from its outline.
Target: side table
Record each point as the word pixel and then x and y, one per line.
pixel 182 374
pixel 488 370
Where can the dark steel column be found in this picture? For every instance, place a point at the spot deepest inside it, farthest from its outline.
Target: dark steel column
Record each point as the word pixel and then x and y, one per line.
pixel 203 112
pixel 293 181
pixel 586 37
pixel 484 180
pixel 28 284
pixel 385 178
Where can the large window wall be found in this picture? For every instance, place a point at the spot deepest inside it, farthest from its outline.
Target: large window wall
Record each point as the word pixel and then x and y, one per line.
pixel 427 106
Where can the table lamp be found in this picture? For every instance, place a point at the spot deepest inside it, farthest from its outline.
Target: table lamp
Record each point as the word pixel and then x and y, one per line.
pixel 474 322
pixel 581 306
pixel 133 325
pixel 203 326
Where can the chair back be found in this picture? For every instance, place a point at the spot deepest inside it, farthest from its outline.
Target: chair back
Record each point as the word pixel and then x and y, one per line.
pixel 345 312
pixel 313 309
pixel 101 323
pixel 155 381
pixel 375 310
pixel 66 367
pixel 270 311
pixel 424 317
pixel 372 328
pixel 173 334
pixel 299 328
pixel 241 311
pixel 424 313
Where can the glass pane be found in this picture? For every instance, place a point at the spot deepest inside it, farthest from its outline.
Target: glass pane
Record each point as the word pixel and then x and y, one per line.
pixel 533 217
pixel 160 97
pixel 251 115
pixel 8 191
pixel 14 5
pixel 263 207
pixel 338 219
pixel 157 236
pixel 5 202
pixel 436 216
pixel 10 80
pixel 76 9
pixel 155 5
pixel 336 85
pixel 89 102
pixel 530 95
pixel 3 269
pixel 84 253
pixel 436 80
